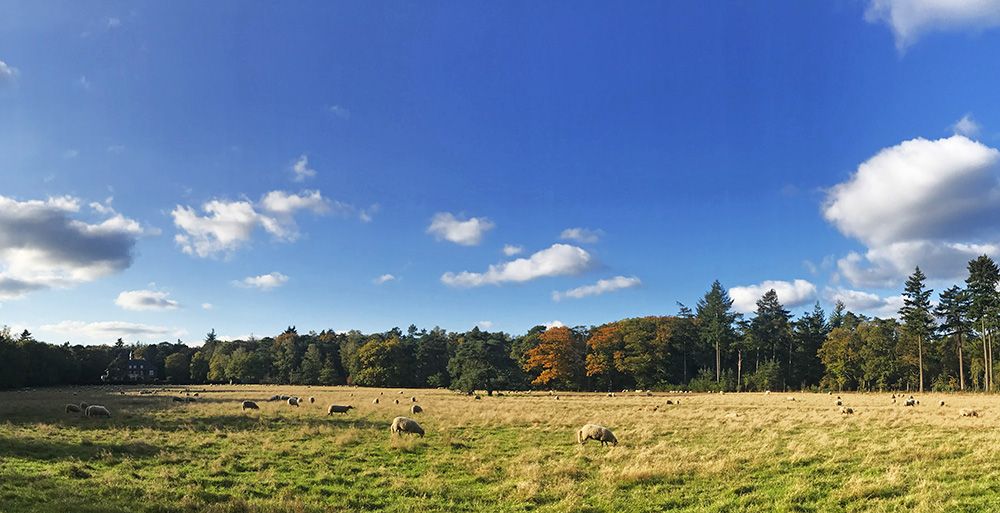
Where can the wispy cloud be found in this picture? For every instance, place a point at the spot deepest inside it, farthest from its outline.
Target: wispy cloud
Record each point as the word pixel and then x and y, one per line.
pixel 582 235
pixel 385 278
pixel 263 282
pixel 596 289
pixel 301 170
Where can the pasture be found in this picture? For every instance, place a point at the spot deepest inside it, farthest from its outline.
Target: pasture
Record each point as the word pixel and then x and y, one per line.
pixel 517 452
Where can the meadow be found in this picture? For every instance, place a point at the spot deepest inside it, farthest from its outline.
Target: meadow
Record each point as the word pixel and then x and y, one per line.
pixel 516 452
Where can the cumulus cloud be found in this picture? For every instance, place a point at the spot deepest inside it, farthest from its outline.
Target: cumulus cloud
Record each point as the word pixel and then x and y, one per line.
pixel 43 245
pixel 791 294
pixel 263 282
pixel 865 302
pixel 910 19
pixel 582 235
pixel 8 73
pixel 511 250
pixel 922 202
pixel 145 300
pixel 111 330
pixel 301 170
pixel 469 232
pixel 601 287
pixel 554 324
pixel 384 279
pixel 557 260
pixel 484 325
pixel 228 225
pixel 966 126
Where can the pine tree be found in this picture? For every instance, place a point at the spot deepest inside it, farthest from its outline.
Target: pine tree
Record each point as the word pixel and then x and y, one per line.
pixel 953 309
pixel 715 320
pixel 916 315
pixel 771 332
pixel 981 286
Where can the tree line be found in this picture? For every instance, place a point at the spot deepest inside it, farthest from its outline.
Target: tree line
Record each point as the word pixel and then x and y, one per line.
pixel 947 346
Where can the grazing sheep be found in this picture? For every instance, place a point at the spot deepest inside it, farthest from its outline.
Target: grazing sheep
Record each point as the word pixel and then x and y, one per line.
pixel 72 408
pixel 334 408
pixel 375 401
pixel 838 397
pixel 293 401
pixel 767 392
pixel 847 411
pixel 596 432
pixel 910 402
pixel 611 394
pixel 894 396
pixel 283 398
pixel 941 403
pixel 275 398
pixel 402 425
pixel 414 399
pixel 968 413
pixel 416 409
pixel 312 400
pixel 839 402
pixel 669 401
pixel 396 401
pixel 250 405
pixel 97 411
pixel 557 398
pixel 400 392
pixel 789 398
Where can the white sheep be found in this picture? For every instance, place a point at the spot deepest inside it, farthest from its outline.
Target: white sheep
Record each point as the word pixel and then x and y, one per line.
pixel 402 425
pixel 596 432
pixel 415 409
pixel 293 401
pixel 97 411
pixel 249 405
pixel 334 408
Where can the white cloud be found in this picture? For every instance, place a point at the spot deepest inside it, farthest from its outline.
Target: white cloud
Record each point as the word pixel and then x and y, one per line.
pixel 484 325
pixel 145 300
pixel 601 287
pixel 301 169
pixel 207 306
pixel 229 225
pixel 511 250
pixel 367 215
pixel 554 324
pixel 383 279
pixel 922 202
pixel 909 19
pixel 340 112
pixel 790 294
pixel 557 260
pixel 858 301
pixel 8 73
pixel 110 330
pixel 469 232
pixel 966 126
pixel 583 235
pixel 43 245
pixel 263 282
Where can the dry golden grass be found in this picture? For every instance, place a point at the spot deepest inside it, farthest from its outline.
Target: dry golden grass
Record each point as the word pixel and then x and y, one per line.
pixel 731 452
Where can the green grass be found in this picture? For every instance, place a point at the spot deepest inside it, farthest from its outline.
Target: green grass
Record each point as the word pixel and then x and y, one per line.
pixel 512 453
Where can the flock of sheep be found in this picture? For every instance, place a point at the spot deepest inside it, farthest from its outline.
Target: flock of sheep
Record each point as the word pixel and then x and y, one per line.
pixel 399 426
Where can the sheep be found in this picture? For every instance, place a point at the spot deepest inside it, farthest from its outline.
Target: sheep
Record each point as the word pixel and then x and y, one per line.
pixel 72 408
pixel 847 411
pixel 477 397
pixel 275 398
pixel 375 401
pixel 415 409
pixel 910 402
pixel 250 405
pixel 334 408
pixel 968 413
pixel 97 411
pixel 293 401
pixel 669 401
pixel 596 432
pixel 402 425
pixel 941 403
pixel 400 392
pixel 312 400
pixel 789 398
pixel 767 392
pixel 414 399
pixel 283 398
pixel 396 401
pixel 839 402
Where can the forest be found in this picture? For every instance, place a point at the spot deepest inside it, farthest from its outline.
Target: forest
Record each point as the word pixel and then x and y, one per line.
pixel 942 345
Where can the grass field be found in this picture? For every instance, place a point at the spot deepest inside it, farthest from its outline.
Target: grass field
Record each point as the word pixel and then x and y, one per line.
pixel 732 452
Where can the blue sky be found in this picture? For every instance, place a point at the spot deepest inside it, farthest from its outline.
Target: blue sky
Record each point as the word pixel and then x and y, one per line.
pixel 825 147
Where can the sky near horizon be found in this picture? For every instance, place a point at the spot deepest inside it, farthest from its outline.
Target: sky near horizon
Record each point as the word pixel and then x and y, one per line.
pixel 167 168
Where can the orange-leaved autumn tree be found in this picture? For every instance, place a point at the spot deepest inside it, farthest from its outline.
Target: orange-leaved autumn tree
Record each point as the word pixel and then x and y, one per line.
pixel 560 356
pixel 604 360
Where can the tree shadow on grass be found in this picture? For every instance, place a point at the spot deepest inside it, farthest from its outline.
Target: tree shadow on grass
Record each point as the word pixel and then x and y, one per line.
pixel 52 450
